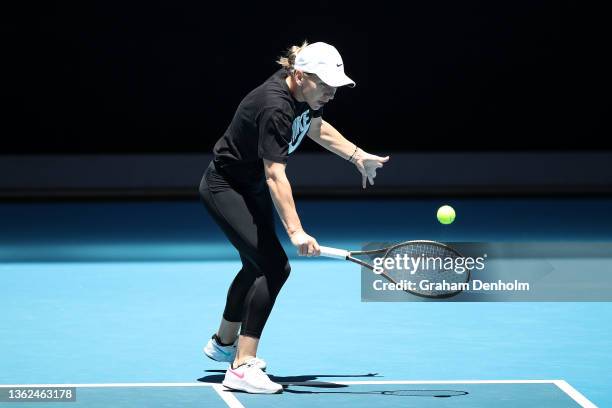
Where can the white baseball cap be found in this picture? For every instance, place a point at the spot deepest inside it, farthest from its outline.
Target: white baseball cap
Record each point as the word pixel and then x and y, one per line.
pixel 324 60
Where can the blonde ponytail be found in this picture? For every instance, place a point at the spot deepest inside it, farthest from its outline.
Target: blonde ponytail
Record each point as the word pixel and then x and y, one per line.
pixel 288 60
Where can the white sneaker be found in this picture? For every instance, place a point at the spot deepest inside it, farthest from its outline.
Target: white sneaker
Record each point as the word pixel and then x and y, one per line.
pixel 261 363
pixel 215 351
pixel 248 377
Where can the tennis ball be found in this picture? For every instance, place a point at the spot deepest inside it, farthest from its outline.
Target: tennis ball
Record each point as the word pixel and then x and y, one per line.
pixel 446 214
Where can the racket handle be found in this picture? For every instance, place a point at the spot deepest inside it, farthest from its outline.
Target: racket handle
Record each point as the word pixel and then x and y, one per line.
pixel 333 252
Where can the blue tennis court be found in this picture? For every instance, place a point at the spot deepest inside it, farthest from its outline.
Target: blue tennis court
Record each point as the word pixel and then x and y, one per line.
pixel 541 393
pixel 128 293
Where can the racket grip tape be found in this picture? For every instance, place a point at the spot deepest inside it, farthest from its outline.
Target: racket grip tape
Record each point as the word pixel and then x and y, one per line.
pixel 333 252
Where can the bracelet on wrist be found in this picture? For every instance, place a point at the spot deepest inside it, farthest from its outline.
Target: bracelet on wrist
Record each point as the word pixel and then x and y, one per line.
pixel 353 155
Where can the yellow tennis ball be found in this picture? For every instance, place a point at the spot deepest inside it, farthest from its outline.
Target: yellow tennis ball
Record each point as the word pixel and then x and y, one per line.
pixel 446 214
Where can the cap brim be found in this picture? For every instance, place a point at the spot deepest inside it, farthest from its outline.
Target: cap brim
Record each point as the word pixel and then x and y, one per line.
pixel 337 80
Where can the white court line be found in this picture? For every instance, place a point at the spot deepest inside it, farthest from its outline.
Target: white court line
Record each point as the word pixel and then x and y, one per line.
pixel 430 382
pixel 229 397
pixel 233 402
pixel 575 394
pixel 112 385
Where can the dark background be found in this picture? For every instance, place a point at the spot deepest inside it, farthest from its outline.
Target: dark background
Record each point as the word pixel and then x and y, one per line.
pixel 165 77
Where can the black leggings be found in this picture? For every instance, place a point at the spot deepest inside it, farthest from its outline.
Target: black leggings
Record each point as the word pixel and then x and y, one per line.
pixel 245 213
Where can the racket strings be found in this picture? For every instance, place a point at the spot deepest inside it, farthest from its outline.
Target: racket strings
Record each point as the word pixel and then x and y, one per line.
pixel 427 264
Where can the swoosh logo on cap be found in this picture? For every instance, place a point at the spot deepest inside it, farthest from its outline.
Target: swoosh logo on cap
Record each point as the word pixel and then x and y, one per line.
pixel 338 65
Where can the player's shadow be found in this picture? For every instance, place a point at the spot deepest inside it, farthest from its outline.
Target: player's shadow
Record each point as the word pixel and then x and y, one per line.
pixel 321 387
pixel 303 380
pixel 434 393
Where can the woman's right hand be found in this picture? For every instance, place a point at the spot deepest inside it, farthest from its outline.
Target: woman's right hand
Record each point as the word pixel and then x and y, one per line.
pixel 305 244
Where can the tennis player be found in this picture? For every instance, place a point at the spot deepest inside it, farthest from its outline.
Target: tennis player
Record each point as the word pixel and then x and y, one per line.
pixel 246 180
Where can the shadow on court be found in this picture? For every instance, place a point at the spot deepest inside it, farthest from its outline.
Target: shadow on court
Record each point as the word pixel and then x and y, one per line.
pixel 318 386
pixel 397 393
pixel 297 379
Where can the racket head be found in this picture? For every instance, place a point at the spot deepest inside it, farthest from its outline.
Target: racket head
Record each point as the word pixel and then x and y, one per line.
pixel 426 249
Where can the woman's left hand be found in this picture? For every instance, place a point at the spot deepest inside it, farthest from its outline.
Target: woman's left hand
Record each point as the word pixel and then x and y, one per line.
pixel 367 164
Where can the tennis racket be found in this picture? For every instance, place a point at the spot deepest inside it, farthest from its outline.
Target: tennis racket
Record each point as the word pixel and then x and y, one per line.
pixel 431 276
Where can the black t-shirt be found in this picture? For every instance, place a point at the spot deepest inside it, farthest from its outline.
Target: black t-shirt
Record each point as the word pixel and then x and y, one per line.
pixel 268 124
